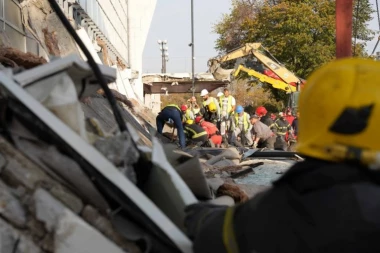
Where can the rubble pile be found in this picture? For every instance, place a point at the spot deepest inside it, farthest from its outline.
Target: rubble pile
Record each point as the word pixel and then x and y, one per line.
pixel 72 182
pixel 42 214
pixel 49 201
pixel 12 57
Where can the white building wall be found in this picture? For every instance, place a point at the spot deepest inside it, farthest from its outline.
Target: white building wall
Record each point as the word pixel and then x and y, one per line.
pixel 153 101
pixel 126 24
pixel 140 14
pixel 111 18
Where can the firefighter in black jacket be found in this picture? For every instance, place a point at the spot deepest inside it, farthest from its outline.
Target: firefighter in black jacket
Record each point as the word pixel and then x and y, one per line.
pixel 195 133
pixel 327 203
pixel 280 127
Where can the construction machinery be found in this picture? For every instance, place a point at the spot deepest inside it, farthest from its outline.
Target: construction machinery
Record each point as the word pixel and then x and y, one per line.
pixel 256 61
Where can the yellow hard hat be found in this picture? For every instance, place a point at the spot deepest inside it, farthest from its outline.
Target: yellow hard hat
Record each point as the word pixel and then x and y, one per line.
pixel 340 107
pixel 212 107
pixel 189 121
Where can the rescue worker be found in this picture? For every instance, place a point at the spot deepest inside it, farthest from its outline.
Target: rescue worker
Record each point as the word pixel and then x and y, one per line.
pixel 186 113
pixel 171 112
pixel 262 112
pixel 195 134
pixel 273 117
pixel 263 137
pixel 281 127
pixel 212 131
pixel 227 108
pixel 289 116
pixel 194 107
pixel 210 108
pixel 293 140
pixel 242 126
pixel 326 203
pixel 295 124
pixel 219 94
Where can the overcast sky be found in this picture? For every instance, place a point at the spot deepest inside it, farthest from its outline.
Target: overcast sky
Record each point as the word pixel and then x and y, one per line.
pixel 171 22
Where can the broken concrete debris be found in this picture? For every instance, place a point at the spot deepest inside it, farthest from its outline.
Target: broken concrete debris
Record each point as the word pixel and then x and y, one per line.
pixel 62 187
pixel 19 58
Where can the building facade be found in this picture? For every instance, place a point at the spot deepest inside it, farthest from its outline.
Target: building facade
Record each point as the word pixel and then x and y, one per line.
pixel 115 31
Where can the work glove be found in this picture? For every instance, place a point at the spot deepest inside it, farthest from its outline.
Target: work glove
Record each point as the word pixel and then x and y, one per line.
pixel 197 214
pixel 254 145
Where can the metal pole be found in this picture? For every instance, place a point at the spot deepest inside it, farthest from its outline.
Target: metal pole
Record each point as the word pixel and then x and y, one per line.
pixel 162 58
pixel 343 21
pixel 192 47
pixel 164 63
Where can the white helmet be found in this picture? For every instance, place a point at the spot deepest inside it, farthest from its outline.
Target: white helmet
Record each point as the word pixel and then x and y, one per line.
pixel 219 94
pixel 204 92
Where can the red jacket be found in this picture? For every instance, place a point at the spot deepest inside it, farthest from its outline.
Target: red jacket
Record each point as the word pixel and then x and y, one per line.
pixel 290 118
pixel 210 128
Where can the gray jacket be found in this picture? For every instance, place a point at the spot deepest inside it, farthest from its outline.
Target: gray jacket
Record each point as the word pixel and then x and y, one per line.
pixel 261 131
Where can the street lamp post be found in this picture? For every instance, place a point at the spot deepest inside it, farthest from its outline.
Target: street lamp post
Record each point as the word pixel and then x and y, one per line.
pixel 164 54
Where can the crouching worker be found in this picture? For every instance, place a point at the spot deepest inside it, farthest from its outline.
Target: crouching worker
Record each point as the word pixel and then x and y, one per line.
pixel 263 137
pixel 195 134
pixel 174 113
pixel 326 203
pixel 212 131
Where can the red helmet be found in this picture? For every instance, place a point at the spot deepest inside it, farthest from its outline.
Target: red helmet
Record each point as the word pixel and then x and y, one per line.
pixel 198 119
pixel 261 111
pixel 183 107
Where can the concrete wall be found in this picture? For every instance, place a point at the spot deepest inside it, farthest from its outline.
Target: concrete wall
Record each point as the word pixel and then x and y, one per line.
pixel 126 24
pixel 140 17
pixel 123 24
pixel 153 102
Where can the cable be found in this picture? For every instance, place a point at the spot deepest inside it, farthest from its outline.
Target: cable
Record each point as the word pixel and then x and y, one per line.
pixel 356 25
pixel 378 14
pixel 94 66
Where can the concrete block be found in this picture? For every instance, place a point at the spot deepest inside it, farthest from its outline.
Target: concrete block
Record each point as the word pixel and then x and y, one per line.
pixel 101 223
pixel 3 162
pixel 10 206
pixel 67 198
pixel 13 241
pixel 20 171
pixel 47 208
pixel 74 235
pixel 71 233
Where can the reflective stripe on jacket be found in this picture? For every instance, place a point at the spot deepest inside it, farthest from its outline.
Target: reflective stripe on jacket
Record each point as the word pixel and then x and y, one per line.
pixel 281 127
pixel 188 115
pixel 173 105
pixel 208 101
pixel 245 121
pixel 194 131
pixel 228 102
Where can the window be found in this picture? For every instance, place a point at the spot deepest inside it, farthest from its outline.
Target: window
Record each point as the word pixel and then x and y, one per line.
pixel 11 23
pixel 16 38
pixel 13 14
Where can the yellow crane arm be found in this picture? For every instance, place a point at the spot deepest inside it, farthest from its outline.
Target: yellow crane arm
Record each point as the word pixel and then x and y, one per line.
pixel 240 52
pixel 256 50
pixel 279 70
pixel 278 84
